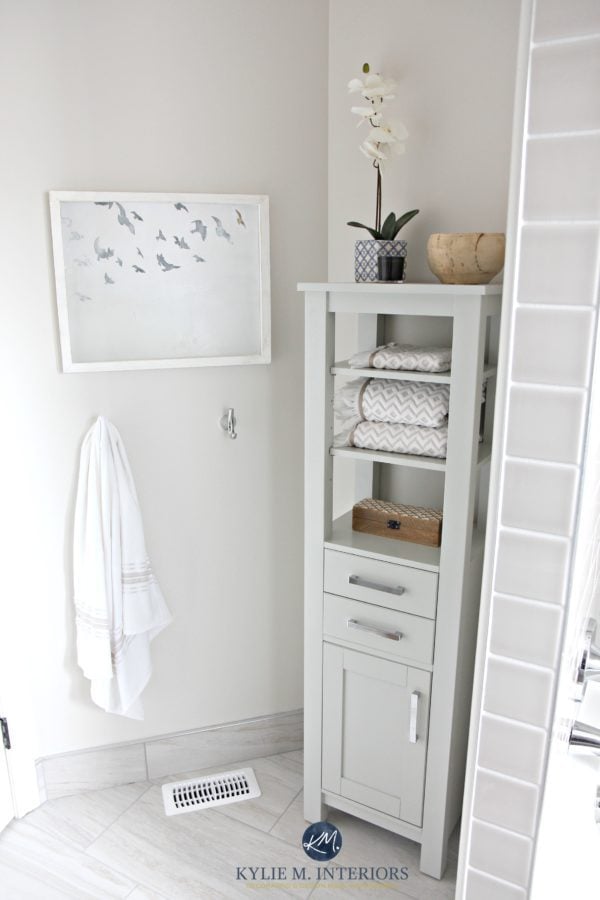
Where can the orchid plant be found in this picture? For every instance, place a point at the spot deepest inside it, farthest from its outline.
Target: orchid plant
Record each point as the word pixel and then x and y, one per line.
pixel 380 142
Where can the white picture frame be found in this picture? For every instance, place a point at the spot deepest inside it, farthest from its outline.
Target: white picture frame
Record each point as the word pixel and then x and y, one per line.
pixel 133 293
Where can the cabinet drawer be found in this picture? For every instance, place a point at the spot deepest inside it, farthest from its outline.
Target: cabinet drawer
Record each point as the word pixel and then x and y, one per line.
pixel 373 627
pixel 385 584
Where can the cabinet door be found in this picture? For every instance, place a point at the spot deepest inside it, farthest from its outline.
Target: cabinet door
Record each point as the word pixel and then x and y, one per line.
pixel 369 752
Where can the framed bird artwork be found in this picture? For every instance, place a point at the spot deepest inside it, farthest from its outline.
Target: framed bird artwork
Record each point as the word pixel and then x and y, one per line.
pixel 152 281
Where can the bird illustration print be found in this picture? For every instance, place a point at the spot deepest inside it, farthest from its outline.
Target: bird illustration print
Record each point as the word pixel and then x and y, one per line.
pixel 106 203
pixel 82 297
pixel 136 216
pixel 138 269
pixel 181 242
pixel 119 261
pixel 122 218
pixel 102 252
pixel 199 228
pixel 140 252
pixel 181 207
pixel 160 236
pixel 165 266
pixel 108 279
pixel 199 258
pixel 75 236
pixel 240 220
pixel 220 231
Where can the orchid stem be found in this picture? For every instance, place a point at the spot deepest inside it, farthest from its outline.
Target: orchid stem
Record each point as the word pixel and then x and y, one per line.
pixel 378 200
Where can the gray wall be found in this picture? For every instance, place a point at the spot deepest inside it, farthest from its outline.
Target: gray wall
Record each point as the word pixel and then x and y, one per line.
pixel 189 95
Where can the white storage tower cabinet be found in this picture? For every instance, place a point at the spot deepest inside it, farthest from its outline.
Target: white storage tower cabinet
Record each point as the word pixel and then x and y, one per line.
pixel 390 626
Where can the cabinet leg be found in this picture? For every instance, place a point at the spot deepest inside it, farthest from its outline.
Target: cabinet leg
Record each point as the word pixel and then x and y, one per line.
pixel 434 857
pixel 314 808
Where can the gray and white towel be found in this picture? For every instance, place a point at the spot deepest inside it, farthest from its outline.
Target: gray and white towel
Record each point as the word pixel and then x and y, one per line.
pixel 405 357
pixel 397 402
pixel 394 438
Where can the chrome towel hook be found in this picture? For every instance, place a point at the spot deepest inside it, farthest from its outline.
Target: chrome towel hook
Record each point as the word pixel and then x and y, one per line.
pixel 227 423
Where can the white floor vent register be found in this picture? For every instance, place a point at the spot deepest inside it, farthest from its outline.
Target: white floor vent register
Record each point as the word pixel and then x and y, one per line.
pixel 211 790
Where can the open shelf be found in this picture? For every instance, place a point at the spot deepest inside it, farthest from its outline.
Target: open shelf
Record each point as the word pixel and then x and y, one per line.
pixel 343 368
pixel 393 459
pixel 387 549
pixel 404 459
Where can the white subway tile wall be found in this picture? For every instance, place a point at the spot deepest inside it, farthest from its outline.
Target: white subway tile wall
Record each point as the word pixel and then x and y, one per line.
pixel 552 322
pixel 532 416
pixel 512 748
pixel 506 802
pixel 555 264
pixel 557 178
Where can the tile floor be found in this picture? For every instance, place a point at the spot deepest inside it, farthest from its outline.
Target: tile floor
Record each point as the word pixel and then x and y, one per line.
pixel 117 842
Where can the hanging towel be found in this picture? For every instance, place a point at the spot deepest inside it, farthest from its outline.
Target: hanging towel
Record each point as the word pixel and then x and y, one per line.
pixel 403 357
pixel 399 402
pixel 118 603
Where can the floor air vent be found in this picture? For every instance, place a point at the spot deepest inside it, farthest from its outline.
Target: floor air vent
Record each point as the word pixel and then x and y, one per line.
pixel 211 790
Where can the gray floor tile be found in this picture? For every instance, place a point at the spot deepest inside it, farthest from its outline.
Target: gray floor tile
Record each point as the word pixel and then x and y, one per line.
pixel 32 860
pixel 142 893
pixel 134 850
pixel 191 855
pixel 81 818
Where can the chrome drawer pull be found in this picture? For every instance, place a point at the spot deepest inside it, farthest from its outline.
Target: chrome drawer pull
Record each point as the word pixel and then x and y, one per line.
pixel 414 711
pixel 362 582
pixel 373 629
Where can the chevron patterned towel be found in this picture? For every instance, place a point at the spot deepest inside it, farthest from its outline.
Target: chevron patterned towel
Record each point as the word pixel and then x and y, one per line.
pixel 398 402
pixel 406 357
pixel 413 439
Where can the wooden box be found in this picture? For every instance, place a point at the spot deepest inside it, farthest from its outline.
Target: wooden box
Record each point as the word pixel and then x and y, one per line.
pixel 397 520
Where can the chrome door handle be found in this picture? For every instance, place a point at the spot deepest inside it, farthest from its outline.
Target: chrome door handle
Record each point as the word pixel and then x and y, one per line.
pixel 585 737
pixel 589 666
pixel 374 586
pixel 414 712
pixel 373 629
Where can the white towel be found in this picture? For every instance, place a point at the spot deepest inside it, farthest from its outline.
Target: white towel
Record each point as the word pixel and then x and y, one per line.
pixel 118 602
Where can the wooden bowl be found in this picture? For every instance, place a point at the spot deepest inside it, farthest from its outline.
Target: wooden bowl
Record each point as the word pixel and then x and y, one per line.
pixel 466 257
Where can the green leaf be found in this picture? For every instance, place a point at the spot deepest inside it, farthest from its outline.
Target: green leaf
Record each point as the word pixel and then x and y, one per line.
pixel 403 220
pixel 387 229
pixel 374 234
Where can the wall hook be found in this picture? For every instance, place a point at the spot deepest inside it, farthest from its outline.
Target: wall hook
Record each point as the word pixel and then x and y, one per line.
pixel 227 423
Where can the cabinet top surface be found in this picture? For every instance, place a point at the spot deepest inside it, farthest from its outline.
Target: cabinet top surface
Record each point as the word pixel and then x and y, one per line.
pixel 370 287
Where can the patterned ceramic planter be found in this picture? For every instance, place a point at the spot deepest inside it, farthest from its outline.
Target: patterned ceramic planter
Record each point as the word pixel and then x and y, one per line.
pixel 366 254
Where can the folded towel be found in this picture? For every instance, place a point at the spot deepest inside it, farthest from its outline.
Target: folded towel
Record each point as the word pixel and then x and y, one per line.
pixel 414 439
pixel 118 602
pixel 405 357
pixel 399 402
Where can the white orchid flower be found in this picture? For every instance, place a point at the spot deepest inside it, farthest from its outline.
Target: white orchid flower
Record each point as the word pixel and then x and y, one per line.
pixel 371 150
pixel 383 138
pixel 382 134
